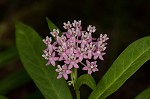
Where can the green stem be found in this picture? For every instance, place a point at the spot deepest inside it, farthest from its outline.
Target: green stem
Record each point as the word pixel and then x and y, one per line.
pixel 76 89
pixel 74 76
pixel 78 94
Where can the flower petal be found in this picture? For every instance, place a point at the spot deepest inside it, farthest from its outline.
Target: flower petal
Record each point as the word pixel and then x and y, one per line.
pixel 85 68
pixel 87 62
pixel 100 57
pixel 52 62
pixel 65 76
pixel 59 76
pixel 76 65
pixel 68 71
pixel 89 72
pixel 70 66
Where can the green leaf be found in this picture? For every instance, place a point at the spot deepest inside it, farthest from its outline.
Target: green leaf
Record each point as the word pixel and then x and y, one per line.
pixel 30 47
pixel 13 81
pixel 128 62
pixel 86 79
pixel 3 97
pixel 52 26
pixel 8 56
pixel 144 95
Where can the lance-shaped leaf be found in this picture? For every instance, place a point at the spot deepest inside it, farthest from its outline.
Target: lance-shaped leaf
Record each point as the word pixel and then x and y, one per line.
pixel 85 79
pixel 144 95
pixel 30 47
pixel 128 62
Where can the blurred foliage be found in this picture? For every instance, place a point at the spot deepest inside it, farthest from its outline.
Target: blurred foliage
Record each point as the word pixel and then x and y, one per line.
pixel 123 20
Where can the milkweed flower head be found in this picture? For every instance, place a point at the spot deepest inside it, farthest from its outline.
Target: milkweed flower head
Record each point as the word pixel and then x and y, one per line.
pixel 74 46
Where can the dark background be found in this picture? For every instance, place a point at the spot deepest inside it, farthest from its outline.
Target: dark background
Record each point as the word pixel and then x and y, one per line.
pixel 123 20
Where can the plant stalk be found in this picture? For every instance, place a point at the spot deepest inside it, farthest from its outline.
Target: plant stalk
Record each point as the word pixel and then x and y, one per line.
pixel 78 94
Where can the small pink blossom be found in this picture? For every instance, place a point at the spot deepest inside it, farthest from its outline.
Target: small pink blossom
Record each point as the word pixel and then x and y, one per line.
pixel 50 57
pixel 55 32
pixel 91 29
pixel 77 24
pixel 91 67
pixel 63 71
pixel 47 41
pixel 67 25
pixel 90 50
pixel 82 53
pixel 72 61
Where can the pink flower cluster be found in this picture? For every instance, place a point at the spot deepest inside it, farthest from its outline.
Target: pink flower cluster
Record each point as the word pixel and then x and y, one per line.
pixel 72 47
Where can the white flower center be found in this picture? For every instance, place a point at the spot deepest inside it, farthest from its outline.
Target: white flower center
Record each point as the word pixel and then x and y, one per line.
pixel 92 66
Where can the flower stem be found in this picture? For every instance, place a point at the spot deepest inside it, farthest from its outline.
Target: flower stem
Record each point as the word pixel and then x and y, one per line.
pixel 78 94
pixel 76 89
pixel 83 64
pixel 74 76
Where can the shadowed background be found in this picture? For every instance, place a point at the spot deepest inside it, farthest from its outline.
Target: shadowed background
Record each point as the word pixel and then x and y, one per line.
pixel 123 20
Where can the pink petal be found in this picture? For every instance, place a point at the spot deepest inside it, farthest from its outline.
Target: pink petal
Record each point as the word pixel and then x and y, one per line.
pixel 95 69
pixel 67 62
pixel 95 57
pixel 52 62
pixel 59 76
pixel 65 76
pixel 58 40
pixel 80 58
pixel 68 36
pixel 94 53
pixel 64 67
pixel 48 63
pixel 85 56
pixel 50 48
pixel 65 56
pixel 77 55
pixel 75 51
pixel 68 51
pixel 61 58
pixel 89 72
pixel 68 71
pixel 76 65
pixel 70 66
pixel 85 68
pixel 87 62
pixel 56 58
pixel 100 57
pixel 89 55
pixel 95 62
pixel 53 54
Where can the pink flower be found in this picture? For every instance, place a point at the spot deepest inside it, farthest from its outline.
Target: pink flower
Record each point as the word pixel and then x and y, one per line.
pixel 91 29
pixel 50 57
pixel 73 47
pixel 85 39
pixel 72 61
pixel 82 53
pixel 77 24
pixel 55 32
pixel 91 67
pixel 62 53
pixel 47 41
pixel 91 48
pixel 101 47
pixel 63 71
pixel 67 25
